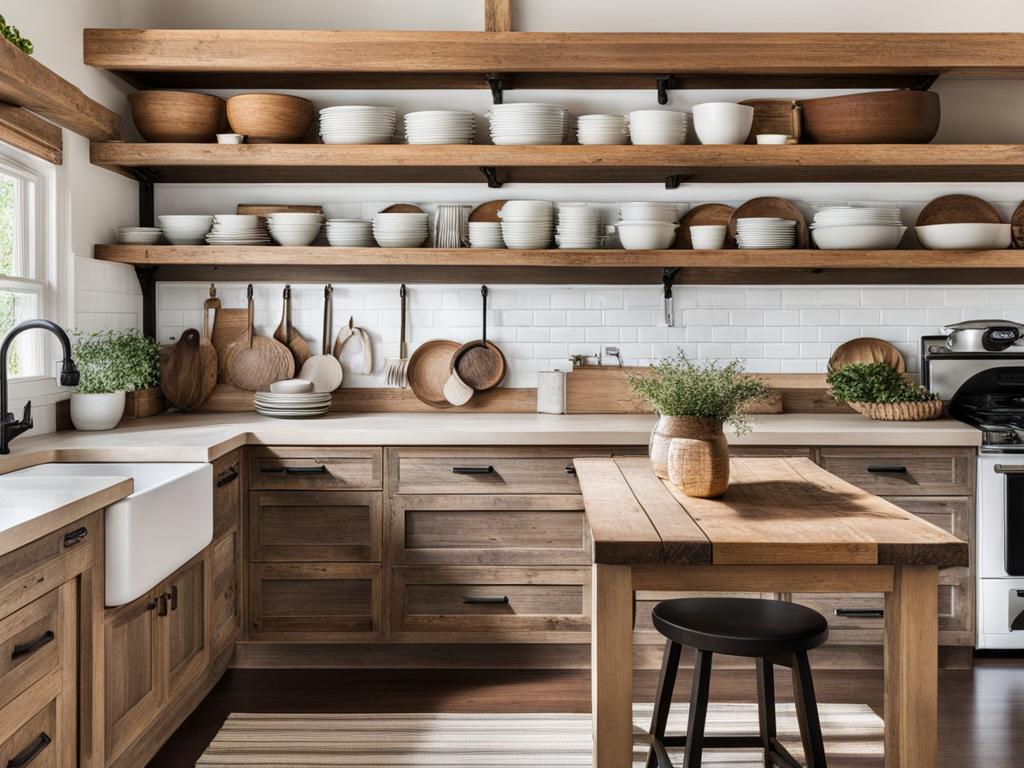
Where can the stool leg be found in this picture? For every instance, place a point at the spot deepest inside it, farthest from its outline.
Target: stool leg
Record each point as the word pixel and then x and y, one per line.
pixel 766 706
pixel 663 700
pixel 698 709
pixel 807 712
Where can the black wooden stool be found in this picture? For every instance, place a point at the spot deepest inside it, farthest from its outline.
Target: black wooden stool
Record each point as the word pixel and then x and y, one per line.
pixel 771 631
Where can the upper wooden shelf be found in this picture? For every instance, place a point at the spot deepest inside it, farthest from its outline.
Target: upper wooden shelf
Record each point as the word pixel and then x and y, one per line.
pixel 336 163
pixel 237 58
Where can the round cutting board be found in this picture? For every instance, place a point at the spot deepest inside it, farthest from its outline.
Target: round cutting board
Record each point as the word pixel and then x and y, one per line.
pixel 1017 226
pixel 429 369
pixel 958 209
pixel 702 215
pixel 487 211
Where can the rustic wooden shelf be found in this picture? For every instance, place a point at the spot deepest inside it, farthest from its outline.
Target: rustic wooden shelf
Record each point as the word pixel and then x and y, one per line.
pixel 340 163
pixel 259 58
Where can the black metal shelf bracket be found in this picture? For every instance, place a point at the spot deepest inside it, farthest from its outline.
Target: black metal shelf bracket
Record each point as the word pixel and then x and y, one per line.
pixel 668 277
pixel 491 174
pixel 925 83
pixel 147 281
pixel 664 82
pixel 497 85
pixel 674 180
pixel 147 213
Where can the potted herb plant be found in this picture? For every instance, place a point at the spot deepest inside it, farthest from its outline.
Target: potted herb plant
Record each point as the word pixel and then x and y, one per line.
pixel 694 402
pixel 111 363
pixel 879 391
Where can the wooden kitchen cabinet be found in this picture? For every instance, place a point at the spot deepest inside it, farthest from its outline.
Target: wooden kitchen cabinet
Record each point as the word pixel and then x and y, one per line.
pixel 228 485
pixel 315 468
pixel 226 592
pixel 187 651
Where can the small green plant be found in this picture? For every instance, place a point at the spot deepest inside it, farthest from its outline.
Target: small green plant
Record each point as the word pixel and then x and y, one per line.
pixel 11 33
pixel 875 383
pixel 676 386
pixel 116 361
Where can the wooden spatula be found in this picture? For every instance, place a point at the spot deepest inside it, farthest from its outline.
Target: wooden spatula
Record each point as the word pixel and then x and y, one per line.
pixel 286 333
pixel 324 370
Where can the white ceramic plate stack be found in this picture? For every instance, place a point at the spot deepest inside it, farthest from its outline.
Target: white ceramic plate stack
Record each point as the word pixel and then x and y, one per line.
pixel 440 127
pixel 602 129
pixel 236 229
pixel 485 234
pixel 185 230
pixel 647 226
pixel 765 232
pixel 857 227
pixel 634 212
pixel 657 126
pixel 296 229
pixel 293 406
pixel 529 123
pixel 579 226
pixel 400 230
pixel 357 125
pixel 139 235
pixel 350 233
pixel 527 224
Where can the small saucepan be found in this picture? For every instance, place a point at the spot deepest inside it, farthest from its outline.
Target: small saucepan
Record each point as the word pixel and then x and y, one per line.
pixel 983 335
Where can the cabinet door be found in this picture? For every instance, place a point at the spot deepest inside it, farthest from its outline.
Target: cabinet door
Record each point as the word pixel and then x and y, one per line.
pixel 225 569
pixel 134 683
pixel 227 492
pixel 185 617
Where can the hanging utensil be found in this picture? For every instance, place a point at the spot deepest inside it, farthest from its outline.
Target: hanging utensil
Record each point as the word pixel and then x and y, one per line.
pixel 349 331
pixel 286 333
pixel 396 369
pixel 208 360
pixel 256 362
pixel 181 372
pixel 228 327
pixel 480 364
pixel 324 370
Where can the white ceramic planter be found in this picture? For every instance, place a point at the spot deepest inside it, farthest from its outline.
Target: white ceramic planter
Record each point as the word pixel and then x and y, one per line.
pixel 93 413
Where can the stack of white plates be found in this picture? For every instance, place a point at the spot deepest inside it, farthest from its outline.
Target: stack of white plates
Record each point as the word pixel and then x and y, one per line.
pixel 657 126
pixel 350 233
pixel 139 235
pixel 529 123
pixel 766 232
pixel 357 125
pixel 185 230
pixel 579 226
pixel 857 227
pixel 602 129
pixel 294 406
pixel 400 230
pixel 440 127
pixel 485 234
pixel 637 212
pixel 235 229
pixel 527 223
pixel 298 229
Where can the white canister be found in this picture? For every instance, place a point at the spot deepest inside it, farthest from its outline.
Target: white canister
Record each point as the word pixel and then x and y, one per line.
pixel 551 391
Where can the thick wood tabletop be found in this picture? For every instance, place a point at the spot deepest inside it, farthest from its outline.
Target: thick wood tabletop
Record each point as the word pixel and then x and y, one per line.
pixel 776 512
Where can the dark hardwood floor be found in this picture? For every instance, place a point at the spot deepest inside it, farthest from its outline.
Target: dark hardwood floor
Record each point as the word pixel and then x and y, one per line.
pixel 981 711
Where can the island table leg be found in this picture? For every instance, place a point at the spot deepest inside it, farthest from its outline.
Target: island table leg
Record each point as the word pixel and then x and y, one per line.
pixel 612 666
pixel 911 668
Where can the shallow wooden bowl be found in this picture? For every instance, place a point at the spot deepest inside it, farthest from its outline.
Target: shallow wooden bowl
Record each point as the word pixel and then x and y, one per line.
pixel 270 117
pixel 429 369
pixel 886 117
pixel 178 116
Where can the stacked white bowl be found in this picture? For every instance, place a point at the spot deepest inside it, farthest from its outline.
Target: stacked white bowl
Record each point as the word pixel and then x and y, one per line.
pixel 236 229
pixel 765 232
pixel 297 229
pixel 440 127
pixel 529 123
pixel 965 236
pixel 357 125
pixel 657 126
pixel 647 225
pixel 139 235
pixel 579 226
pixel 602 129
pixel 293 406
pixel 527 223
pixel 722 122
pixel 485 234
pixel 185 230
pixel 857 227
pixel 350 233
pixel 400 230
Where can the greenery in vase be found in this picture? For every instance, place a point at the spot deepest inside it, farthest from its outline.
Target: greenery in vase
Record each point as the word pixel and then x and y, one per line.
pixel 875 383
pixel 676 386
pixel 11 33
pixel 116 361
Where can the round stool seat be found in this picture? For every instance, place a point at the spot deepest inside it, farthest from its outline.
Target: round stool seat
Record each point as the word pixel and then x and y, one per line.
pixel 740 626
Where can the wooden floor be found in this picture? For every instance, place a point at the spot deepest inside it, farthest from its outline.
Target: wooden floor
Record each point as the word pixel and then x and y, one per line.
pixel 981 711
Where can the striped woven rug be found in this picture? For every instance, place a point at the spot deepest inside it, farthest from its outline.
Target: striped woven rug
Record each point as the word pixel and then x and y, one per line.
pixel 853 737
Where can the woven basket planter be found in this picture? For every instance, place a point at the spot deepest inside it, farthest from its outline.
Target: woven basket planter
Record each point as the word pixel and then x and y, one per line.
pixel 929 409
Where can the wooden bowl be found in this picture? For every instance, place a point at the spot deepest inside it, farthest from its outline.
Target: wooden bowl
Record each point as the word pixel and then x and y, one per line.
pixel 178 116
pixel 887 117
pixel 270 117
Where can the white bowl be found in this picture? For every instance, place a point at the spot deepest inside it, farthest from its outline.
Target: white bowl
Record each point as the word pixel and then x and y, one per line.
pixel 722 122
pixel 861 237
pixel 965 237
pixel 646 235
pixel 185 230
pixel 291 387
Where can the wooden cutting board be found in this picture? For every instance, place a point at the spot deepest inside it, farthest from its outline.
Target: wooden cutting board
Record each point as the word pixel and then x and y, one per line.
pixel 229 326
pixel 958 209
pixel 703 215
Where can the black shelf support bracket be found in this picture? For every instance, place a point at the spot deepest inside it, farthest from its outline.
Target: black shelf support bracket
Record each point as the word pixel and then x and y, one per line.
pixel 491 174
pixel 925 83
pixel 497 85
pixel 147 213
pixel 668 278
pixel 664 82
pixel 674 180
pixel 147 281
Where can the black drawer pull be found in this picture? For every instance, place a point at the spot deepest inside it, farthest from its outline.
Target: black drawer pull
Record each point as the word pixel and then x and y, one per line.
pixel 488 470
pixel 317 470
pixel 860 613
pixel 174 597
pixel 70 539
pixel 570 469
pixel 1020 593
pixel 28 754
pixel 476 600
pixel 24 649
pixel 886 469
pixel 163 605
pixel 229 475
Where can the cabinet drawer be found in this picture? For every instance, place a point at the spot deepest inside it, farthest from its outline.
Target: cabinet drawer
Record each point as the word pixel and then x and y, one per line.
pixel 337 469
pixel 492 604
pixel 314 601
pixel 950 513
pixel 903 471
pixel 34 743
pixel 29 646
pixel 489 530
pixel 315 526
pixel 643 626
pixel 227 493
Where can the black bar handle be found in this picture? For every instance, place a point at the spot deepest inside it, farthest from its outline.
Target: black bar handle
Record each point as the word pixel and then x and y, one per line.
pixel 229 475
pixel 886 469
pixel 861 613
pixel 320 469
pixel 75 536
pixel 1020 593
pixel 174 597
pixel 488 470
pixel 477 600
pixel 163 605
pixel 570 469
pixel 24 649
pixel 151 605
pixel 28 754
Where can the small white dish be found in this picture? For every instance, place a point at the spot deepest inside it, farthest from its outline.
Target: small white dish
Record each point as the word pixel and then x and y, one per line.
pixel 773 138
pixel 230 138
pixel 291 387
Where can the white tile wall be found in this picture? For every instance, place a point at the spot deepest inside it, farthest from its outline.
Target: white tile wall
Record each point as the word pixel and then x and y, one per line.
pixel 107 295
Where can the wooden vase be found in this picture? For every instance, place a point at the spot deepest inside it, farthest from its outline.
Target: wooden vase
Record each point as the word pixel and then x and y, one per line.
pixel 667 428
pixel 698 461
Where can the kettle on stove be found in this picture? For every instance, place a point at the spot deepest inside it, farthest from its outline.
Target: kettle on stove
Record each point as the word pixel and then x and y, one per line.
pixel 983 336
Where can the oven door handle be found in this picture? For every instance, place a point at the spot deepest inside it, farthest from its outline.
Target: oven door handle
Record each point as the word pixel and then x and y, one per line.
pixel 1009 469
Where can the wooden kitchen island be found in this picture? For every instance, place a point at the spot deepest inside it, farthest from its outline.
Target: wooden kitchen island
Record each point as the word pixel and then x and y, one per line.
pixel 784 525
